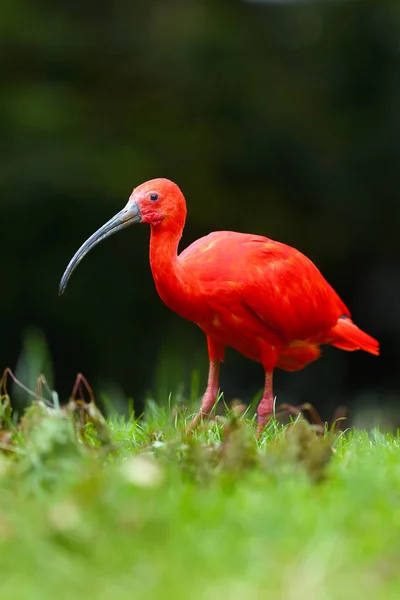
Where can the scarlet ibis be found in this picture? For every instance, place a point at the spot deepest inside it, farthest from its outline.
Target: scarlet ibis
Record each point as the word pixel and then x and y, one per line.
pixel 263 298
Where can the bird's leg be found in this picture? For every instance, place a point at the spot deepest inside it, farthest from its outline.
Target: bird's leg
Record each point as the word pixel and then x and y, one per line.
pixel 266 405
pixel 211 393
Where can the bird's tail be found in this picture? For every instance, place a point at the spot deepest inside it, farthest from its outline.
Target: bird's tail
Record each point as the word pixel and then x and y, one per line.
pixel 348 336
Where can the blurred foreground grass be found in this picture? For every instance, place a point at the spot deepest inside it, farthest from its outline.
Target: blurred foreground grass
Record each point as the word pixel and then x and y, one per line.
pixel 121 509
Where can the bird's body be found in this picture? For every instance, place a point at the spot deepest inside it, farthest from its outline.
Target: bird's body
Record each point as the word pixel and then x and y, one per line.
pixel 263 298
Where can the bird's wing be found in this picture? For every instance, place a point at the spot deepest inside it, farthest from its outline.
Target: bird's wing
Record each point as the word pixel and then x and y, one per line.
pixel 275 282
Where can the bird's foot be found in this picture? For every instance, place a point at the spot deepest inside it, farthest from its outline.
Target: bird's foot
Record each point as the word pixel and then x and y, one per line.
pixel 285 410
pixel 197 419
pixel 314 417
pixel 288 410
pixel 262 420
pixel 336 423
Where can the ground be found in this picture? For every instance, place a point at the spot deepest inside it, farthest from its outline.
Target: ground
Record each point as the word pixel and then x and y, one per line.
pixel 125 508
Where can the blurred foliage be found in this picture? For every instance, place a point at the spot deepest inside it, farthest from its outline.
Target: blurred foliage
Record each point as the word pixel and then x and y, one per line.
pixel 276 118
pixel 100 509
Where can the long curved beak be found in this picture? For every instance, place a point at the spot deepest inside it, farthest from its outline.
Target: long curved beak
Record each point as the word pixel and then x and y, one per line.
pixel 127 216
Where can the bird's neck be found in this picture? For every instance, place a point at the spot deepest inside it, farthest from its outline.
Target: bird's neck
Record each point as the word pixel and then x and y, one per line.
pixel 171 282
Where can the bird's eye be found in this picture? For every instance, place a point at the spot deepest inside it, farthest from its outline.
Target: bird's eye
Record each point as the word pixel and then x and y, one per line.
pixel 154 197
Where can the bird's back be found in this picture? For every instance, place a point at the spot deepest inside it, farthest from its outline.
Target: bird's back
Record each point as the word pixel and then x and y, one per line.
pixel 274 281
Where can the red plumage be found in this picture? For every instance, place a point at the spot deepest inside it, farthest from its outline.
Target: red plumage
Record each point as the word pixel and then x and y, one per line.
pixel 264 298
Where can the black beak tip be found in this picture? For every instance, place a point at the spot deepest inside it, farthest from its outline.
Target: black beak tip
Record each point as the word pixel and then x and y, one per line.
pixel 61 287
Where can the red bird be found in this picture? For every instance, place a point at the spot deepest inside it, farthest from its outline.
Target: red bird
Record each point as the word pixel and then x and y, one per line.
pixel 263 298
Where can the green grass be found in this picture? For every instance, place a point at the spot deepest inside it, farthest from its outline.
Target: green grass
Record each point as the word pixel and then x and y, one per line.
pixel 125 509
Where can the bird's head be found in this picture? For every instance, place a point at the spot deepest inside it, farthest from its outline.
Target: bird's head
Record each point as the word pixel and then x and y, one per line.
pixel 158 202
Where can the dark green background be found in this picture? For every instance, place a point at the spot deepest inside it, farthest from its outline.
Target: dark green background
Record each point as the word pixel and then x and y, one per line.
pixel 275 118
